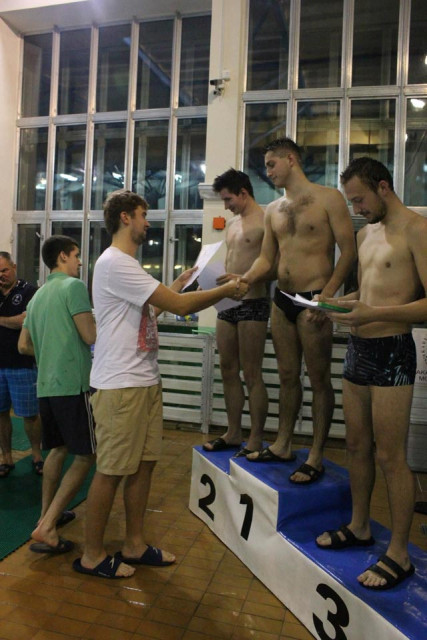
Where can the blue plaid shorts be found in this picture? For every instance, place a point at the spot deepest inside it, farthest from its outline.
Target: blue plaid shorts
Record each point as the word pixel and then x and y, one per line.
pixel 18 389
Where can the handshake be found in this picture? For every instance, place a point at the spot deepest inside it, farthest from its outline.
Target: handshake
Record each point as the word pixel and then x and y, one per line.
pixel 238 286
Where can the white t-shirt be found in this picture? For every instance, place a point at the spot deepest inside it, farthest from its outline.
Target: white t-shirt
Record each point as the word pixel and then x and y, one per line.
pixel 126 345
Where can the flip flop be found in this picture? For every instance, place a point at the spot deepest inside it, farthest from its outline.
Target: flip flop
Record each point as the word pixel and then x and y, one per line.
pixel 391 580
pixel 5 469
pixel 65 518
pixel 266 455
pixel 350 540
pixel 313 473
pixel 38 467
pixel 63 546
pixel 219 444
pixel 243 453
pixel 105 569
pixel 151 556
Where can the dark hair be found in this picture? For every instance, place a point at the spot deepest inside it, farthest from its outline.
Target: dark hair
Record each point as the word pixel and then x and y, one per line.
pixel 53 246
pixel 6 255
pixel 234 181
pixel 281 146
pixel 370 172
pixel 118 201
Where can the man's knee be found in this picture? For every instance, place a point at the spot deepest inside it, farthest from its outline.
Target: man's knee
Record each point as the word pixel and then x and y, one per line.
pixel 87 460
pixel 290 376
pixel 229 370
pixel 391 461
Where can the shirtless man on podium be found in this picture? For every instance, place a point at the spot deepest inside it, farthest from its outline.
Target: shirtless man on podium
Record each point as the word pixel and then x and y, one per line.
pixel 241 330
pixel 302 229
pixel 380 364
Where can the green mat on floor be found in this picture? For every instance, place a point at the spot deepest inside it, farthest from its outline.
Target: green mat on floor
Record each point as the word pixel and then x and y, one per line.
pixel 19 437
pixel 20 500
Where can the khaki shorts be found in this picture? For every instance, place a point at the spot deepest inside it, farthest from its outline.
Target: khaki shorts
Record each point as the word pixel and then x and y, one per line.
pixel 129 428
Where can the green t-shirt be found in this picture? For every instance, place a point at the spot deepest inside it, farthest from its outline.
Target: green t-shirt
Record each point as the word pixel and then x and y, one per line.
pixel 63 358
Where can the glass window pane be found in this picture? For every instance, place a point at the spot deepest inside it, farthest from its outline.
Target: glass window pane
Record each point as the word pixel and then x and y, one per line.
pixel 375 42
pixel 416 154
pixel 71 229
pixel 188 242
pixel 190 163
pixel 154 65
pixel 264 123
pixel 268 47
pixel 69 167
pixel 28 252
pixel 108 161
pixel 194 69
pixel 318 136
pixel 99 240
pixel 36 75
pixel 74 71
pixel 150 254
pixel 32 169
pixel 372 130
pixel 113 68
pixel 417 43
pixel 320 43
pixel 150 161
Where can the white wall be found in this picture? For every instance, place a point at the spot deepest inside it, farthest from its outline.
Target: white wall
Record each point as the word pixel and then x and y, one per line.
pixel 9 79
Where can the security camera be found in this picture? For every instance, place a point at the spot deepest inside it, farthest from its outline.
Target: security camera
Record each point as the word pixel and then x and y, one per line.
pixel 218 83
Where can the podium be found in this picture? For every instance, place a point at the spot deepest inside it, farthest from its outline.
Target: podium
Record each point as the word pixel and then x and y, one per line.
pixel 271 525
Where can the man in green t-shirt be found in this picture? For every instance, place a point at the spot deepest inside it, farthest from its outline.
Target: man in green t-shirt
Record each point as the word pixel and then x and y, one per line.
pixel 58 330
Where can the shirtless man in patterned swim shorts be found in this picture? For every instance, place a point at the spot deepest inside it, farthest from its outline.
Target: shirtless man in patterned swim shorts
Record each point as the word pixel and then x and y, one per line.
pixel 380 364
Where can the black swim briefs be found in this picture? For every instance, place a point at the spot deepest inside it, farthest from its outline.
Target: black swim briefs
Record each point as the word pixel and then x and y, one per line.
pixel 381 362
pixel 290 309
pixel 253 309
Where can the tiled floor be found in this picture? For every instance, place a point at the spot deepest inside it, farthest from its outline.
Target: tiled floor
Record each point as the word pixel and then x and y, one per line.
pixel 207 594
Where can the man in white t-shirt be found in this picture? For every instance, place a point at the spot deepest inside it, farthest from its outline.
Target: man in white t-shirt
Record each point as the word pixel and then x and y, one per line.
pixel 127 403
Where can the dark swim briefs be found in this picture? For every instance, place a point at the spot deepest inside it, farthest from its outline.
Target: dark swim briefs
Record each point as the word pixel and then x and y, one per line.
pixel 253 309
pixel 290 309
pixel 381 362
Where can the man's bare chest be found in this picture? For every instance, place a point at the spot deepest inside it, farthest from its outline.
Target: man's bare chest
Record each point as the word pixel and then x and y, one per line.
pixel 302 218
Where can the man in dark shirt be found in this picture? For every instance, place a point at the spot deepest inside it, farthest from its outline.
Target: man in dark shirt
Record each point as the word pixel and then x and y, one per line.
pixel 18 374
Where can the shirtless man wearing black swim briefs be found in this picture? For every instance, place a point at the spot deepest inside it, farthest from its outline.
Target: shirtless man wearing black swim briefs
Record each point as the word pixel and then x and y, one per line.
pixel 241 330
pixel 302 229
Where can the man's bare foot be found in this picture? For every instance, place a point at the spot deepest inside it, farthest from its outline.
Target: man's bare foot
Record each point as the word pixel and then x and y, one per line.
pixel 221 444
pixel 151 556
pixel 343 538
pixel 299 477
pixel 386 573
pixel 49 536
pixel 270 455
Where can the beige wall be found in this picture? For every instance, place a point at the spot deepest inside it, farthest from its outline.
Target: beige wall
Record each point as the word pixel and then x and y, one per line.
pixel 9 77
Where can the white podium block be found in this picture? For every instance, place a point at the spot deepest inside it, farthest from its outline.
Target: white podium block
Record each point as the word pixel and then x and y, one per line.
pixel 271 525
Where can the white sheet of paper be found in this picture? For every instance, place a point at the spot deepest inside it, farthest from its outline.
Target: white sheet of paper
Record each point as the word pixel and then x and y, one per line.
pixel 300 301
pixel 207 252
pixel 207 280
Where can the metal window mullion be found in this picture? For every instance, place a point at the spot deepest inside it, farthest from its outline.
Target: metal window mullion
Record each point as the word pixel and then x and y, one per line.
pixel 294 37
pixel 87 193
pixel 171 152
pixel 347 44
pixel 401 106
pixel 54 76
pixel 130 126
pixel 347 69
